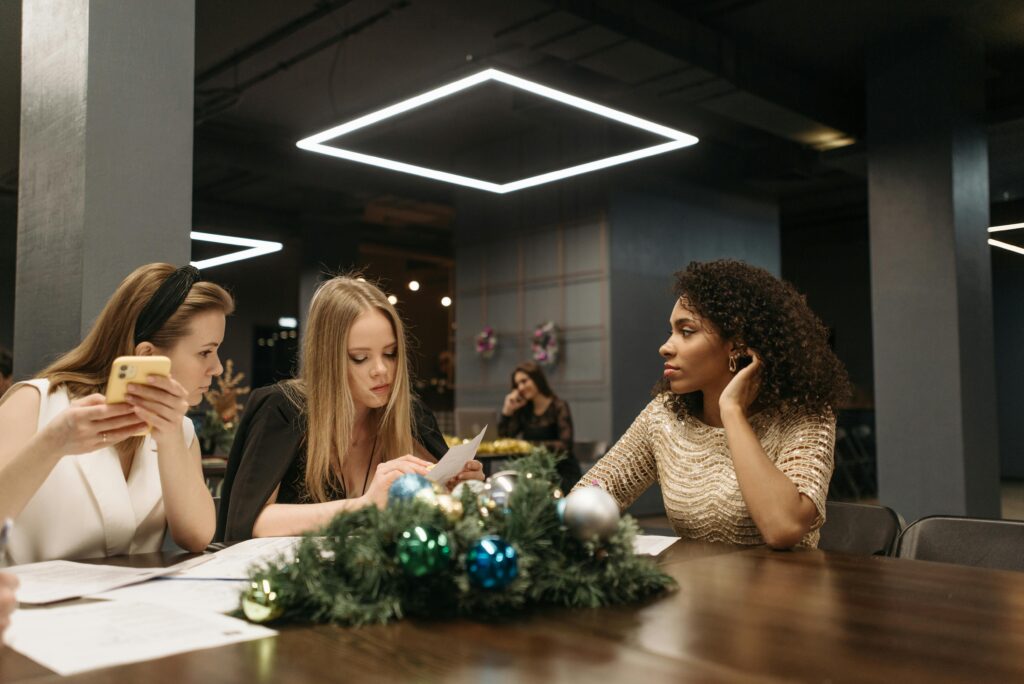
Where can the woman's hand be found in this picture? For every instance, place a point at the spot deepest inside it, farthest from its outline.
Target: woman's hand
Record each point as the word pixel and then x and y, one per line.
pixel 473 470
pixel 742 390
pixel 162 403
pixel 8 583
pixel 90 423
pixel 386 474
pixel 513 402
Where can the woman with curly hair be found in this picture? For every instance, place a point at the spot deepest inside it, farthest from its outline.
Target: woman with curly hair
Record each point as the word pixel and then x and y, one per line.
pixel 741 431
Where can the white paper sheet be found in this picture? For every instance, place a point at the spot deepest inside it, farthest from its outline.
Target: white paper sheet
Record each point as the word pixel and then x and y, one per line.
pixel 453 461
pixel 651 545
pixel 190 595
pixel 52 581
pixel 233 563
pixel 80 637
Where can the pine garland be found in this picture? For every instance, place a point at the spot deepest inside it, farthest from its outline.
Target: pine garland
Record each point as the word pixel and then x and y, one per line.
pixel 347 573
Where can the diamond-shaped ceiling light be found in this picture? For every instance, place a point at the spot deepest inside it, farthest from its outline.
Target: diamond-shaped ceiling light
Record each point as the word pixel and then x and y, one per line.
pixel 317 143
pixel 255 248
pixel 1006 245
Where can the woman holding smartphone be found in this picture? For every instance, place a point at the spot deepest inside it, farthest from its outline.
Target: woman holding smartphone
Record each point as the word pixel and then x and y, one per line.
pixel 741 431
pixel 533 412
pixel 74 475
pixel 339 435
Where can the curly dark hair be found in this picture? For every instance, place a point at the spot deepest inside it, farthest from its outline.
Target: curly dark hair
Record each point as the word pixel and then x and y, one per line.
pixel 749 305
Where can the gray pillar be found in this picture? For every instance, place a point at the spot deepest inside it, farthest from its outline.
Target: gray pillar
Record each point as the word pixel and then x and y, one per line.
pixel 930 276
pixel 105 180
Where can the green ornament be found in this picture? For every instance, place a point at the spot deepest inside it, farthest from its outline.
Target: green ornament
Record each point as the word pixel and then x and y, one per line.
pixel 260 602
pixel 423 550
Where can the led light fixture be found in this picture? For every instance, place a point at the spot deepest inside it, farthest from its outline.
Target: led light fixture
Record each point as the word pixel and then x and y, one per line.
pixel 1006 245
pixel 446 301
pixel 317 143
pixel 256 248
pixel 289 322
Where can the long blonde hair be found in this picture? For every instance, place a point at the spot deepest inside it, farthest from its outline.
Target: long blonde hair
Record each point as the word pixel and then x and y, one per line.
pixel 322 391
pixel 86 368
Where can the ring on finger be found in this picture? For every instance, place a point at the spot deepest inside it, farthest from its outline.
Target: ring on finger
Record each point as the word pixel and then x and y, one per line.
pixel 103 435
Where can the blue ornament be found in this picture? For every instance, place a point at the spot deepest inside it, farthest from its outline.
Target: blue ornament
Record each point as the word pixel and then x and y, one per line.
pixel 407 487
pixel 560 509
pixel 492 563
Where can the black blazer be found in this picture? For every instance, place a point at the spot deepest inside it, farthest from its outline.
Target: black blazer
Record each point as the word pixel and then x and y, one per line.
pixel 270 450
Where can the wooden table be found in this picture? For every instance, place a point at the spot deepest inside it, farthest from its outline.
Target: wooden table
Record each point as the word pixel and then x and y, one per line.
pixel 739 616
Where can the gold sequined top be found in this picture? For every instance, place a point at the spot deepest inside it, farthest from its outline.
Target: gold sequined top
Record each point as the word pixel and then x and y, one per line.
pixel 692 463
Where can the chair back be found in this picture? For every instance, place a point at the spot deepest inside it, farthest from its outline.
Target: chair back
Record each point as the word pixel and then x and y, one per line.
pixel 983 543
pixel 860 529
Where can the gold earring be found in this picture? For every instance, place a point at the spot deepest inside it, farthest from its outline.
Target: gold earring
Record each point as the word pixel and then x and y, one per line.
pixel 732 363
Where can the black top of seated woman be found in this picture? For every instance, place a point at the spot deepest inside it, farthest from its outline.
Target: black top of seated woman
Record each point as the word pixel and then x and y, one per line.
pixel 270 449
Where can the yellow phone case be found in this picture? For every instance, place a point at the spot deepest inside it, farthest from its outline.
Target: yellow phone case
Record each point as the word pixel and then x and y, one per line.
pixel 136 369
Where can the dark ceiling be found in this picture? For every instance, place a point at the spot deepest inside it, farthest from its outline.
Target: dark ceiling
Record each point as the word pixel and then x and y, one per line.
pixel 768 85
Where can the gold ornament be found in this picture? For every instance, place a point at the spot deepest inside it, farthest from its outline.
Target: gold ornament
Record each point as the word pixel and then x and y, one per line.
pixel 450 507
pixel 260 603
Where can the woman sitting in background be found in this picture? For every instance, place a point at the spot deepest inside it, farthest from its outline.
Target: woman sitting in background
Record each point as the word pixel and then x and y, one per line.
pixel 336 438
pixel 533 412
pixel 73 476
pixel 741 431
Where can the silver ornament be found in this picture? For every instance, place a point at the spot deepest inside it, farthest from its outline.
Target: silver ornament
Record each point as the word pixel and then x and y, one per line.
pixel 505 480
pixel 591 512
pixel 475 486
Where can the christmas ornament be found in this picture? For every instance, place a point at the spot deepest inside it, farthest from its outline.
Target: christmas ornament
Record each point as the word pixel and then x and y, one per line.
pixel 475 486
pixel 407 486
pixel 492 563
pixel 591 512
pixel 560 509
pixel 450 506
pixel 498 489
pixel 423 550
pixel 259 602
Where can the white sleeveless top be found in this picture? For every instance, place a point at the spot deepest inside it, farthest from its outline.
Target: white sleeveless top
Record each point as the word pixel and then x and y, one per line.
pixel 85 507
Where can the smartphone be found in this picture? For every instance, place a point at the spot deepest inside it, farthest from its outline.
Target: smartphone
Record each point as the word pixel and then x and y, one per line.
pixel 134 369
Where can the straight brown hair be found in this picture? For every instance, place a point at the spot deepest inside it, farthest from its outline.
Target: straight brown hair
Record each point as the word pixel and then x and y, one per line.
pixel 84 370
pixel 322 391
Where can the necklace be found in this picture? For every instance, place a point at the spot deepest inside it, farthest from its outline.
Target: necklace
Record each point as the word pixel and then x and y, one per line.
pixel 369 463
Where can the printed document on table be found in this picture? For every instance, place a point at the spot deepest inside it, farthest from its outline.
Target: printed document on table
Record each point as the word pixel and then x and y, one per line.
pixel 233 563
pixel 191 595
pixel 651 545
pixel 85 636
pixel 52 581
pixel 453 461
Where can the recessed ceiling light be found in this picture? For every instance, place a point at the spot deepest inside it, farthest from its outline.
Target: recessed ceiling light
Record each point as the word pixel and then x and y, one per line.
pixel 317 142
pixel 256 248
pixel 414 285
pixel 446 301
pixel 393 299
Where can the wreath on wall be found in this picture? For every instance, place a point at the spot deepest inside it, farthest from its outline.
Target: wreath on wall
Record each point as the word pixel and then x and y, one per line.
pixel 545 344
pixel 486 343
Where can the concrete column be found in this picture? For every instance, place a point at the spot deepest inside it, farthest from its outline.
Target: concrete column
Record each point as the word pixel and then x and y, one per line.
pixel 930 276
pixel 105 181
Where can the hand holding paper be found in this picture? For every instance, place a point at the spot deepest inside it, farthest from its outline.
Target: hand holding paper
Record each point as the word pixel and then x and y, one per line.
pixel 453 461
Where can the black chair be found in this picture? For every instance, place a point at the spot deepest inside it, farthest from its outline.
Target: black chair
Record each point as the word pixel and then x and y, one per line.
pixel 859 529
pixel 983 543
